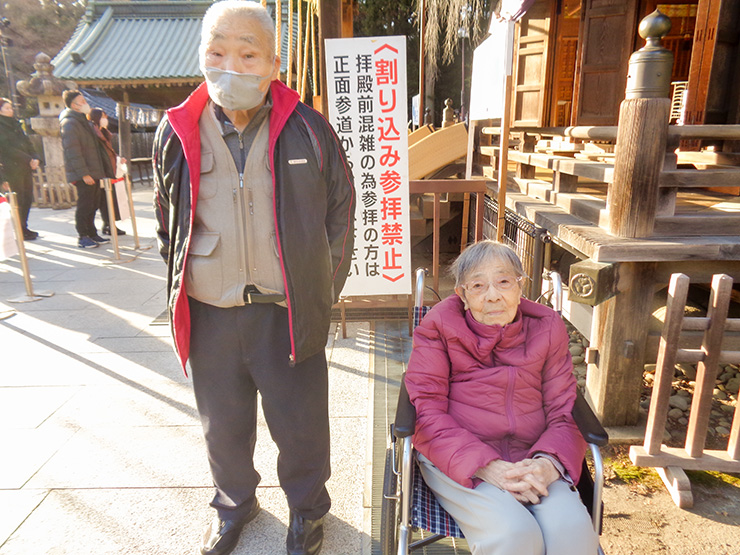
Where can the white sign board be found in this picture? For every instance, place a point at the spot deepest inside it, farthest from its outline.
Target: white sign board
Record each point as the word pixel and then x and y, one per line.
pixel 8 245
pixel 121 196
pixel 366 89
pixel 491 64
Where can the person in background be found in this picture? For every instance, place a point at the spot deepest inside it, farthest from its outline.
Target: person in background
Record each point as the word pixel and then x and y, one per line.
pixel 254 203
pixel 491 378
pixel 100 124
pixel 86 163
pixel 18 159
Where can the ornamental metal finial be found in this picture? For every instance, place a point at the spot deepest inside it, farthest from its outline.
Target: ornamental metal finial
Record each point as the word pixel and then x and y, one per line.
pixel 651 66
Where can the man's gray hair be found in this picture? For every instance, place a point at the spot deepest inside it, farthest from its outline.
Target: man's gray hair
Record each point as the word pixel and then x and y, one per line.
pixel 481 253
pixel 232 9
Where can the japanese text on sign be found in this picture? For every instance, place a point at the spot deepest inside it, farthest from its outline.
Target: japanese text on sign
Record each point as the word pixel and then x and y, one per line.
pixel 366 88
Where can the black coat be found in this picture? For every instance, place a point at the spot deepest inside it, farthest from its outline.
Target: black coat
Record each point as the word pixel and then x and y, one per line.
pixel 84 153
pixel 314 212
pixel 16 151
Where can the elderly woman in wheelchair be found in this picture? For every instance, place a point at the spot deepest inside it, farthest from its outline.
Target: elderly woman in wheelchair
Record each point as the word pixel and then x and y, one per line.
pixel 490 376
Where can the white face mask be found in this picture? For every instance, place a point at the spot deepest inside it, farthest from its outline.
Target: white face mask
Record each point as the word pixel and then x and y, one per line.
pixel 232 90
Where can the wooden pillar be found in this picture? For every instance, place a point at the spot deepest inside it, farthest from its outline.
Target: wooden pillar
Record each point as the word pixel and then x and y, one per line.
pixel 422 63
pixel 641 145
pixel 348 19
pixel 620 324
pixel 330 27
pixel 619 329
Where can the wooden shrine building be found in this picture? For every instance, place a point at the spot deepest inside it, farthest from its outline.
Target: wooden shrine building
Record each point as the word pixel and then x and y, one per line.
pixel 572 57
pixel 630 196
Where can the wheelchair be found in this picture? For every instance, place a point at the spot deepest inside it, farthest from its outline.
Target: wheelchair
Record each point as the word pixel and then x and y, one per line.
pixel 408 505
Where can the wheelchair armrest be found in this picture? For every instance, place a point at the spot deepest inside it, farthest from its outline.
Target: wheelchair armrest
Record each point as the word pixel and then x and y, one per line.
pixel 405 413
pixel 590 427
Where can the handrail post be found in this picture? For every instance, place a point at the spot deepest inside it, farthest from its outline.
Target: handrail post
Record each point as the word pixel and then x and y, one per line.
pixel 642 135
pixel 620 324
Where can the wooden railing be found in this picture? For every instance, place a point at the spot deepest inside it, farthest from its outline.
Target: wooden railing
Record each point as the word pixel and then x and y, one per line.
pixel 662 219
pixel 670 462
pixel 51 189
pixel 441 186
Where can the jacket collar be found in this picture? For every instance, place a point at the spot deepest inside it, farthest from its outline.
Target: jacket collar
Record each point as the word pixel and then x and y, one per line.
pixel 184 121
pixel 74 114
pixel 184 118
pixel 9 122
pixel 477 337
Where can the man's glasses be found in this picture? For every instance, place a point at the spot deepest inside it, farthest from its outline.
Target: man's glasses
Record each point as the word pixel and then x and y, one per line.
pixel 478 288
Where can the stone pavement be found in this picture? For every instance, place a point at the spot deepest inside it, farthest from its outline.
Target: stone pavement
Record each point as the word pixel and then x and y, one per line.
pixel 102 450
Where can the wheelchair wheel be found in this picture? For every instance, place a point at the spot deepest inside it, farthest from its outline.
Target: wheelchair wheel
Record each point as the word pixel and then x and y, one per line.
pixel 389 514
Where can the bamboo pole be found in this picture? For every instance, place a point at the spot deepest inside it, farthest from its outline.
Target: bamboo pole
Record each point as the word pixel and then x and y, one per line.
pixel 108 186
pixel 129 194
pixel 289 73
pixel 304 76
pixel 503 161
pixel 30 294
pixel 422 61
pixel 278 26
pixel 316 69
pixel 299 50
pixel 503 167
pixel 468 175
pixel 21 246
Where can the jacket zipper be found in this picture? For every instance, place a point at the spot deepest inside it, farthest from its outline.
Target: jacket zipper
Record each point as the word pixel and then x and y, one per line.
pixel 510 411
pixel 278 242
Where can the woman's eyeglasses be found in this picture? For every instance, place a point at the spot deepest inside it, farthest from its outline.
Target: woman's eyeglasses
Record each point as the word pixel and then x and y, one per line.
pixel 478 288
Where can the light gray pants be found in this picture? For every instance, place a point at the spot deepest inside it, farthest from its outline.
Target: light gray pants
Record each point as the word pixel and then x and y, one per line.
pixel 494 523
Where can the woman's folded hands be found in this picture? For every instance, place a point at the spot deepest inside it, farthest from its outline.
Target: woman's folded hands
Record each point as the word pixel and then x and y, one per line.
pixel 526 480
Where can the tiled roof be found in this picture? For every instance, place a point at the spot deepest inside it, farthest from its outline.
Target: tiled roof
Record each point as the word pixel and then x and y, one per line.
pixel 142 41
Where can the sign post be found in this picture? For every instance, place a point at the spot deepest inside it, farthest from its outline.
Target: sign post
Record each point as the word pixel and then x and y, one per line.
pixel 30 295
pixel 367 97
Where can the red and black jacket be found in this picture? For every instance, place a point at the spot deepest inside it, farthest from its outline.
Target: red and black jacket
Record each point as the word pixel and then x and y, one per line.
pixel 313 209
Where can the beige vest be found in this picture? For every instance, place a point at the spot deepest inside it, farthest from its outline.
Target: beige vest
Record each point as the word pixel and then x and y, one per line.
pixel 233 241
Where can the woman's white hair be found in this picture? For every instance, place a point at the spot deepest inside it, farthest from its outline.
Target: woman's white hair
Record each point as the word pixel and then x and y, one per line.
pixel 481 253
pixel 234 9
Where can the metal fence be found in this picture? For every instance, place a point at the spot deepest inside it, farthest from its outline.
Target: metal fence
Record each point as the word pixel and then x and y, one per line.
pixel 521 235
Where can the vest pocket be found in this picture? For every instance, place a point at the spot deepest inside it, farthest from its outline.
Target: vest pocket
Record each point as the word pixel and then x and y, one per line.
pixel 204 269
pixel 208 187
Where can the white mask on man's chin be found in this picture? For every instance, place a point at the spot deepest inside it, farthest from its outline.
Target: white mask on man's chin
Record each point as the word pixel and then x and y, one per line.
pixel 232 90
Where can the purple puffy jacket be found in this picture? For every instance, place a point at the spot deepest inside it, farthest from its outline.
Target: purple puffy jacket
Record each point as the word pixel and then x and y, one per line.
pixel 489 392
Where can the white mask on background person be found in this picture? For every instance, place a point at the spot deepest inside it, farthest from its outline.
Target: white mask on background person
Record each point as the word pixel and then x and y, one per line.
pixel 104 123
pixel 232 90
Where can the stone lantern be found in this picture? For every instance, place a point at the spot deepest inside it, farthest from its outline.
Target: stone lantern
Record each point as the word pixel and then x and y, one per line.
pixel 48 90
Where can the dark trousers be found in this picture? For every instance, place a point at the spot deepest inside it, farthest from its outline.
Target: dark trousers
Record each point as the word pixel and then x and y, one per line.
pixel 234 353
pixel 22 185
pixel 88 200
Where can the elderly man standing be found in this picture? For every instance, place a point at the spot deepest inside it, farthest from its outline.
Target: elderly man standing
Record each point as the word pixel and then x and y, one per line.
pixel 254 202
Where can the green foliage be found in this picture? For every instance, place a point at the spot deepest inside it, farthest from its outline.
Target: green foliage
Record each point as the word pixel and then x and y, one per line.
pixel 36 26
pixel 380 18
pixel 617 460
pixel 400 17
